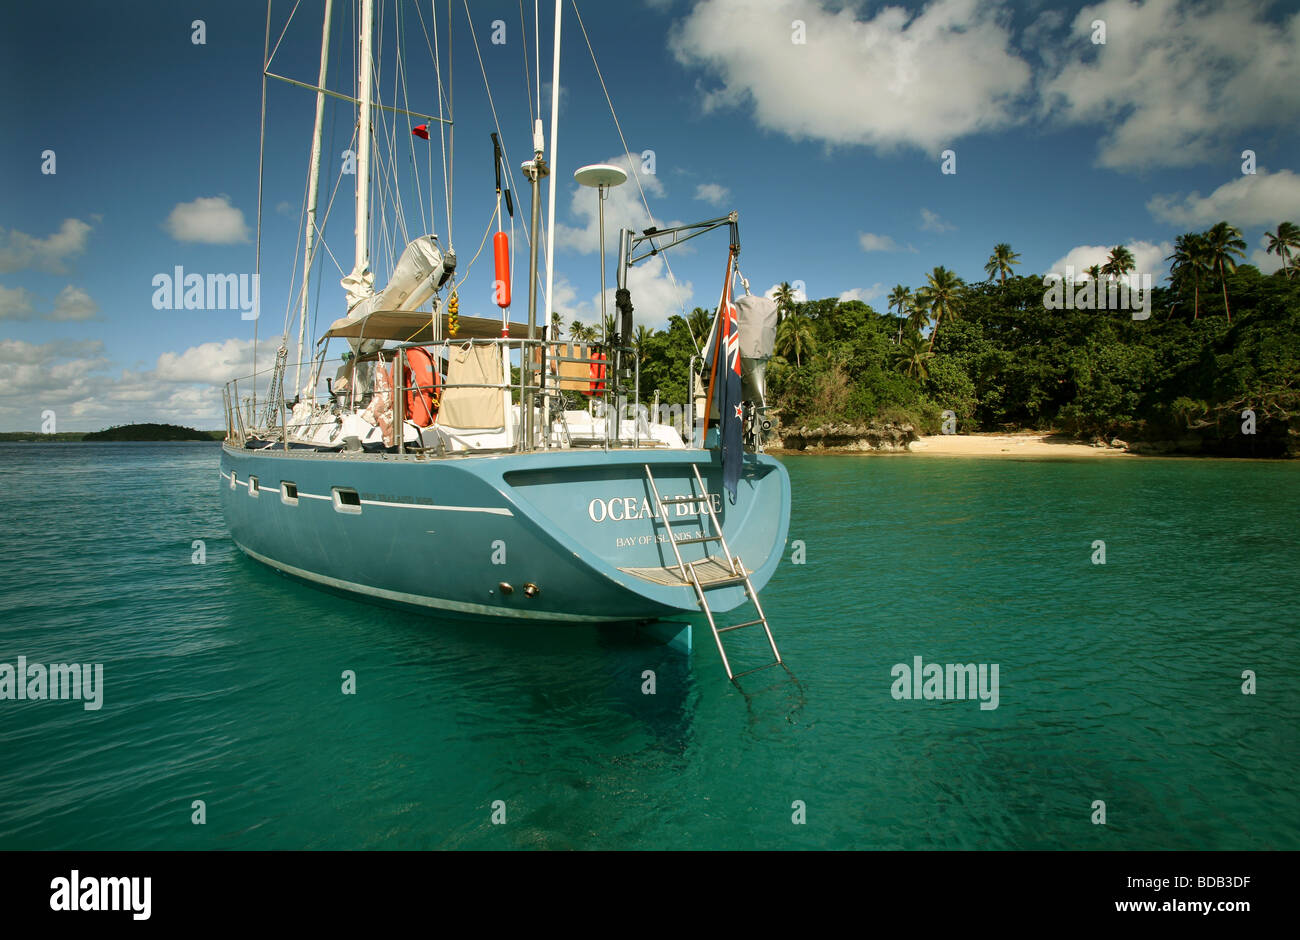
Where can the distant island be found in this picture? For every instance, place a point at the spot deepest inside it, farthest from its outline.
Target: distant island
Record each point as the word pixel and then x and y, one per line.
pixel 125 432
pixel 152 432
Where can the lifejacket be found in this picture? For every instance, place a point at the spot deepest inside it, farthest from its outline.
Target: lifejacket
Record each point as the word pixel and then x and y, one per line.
pixel 424 387
pixel 597 384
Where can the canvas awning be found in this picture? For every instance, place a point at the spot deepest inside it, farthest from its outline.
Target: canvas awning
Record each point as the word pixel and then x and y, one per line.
pixel 415 326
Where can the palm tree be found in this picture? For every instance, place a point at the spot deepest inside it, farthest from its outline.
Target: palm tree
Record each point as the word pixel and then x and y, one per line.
pixel 1283 242
pixel 1223 241
pixel 784 297
pixel 913 355
pixel 1000 262
pixel 898 298
pixel 918 310
pixel 1094 272
pixel 1190 260
pixel 1119 263
pixel 941 297
pixel 795 335
pixel 643 334
pixel 557 328
pixel 699 322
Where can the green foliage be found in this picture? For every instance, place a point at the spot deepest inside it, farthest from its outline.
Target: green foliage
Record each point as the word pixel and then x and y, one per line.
pixel 149 432
pixel 1000 360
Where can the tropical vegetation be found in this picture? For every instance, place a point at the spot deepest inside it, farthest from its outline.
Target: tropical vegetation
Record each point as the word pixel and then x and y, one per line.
pixel 1223 339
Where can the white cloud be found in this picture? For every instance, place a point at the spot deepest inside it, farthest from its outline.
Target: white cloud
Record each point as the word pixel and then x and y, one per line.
pixel 865 294
pixel 1175 82
pixel 1261 259
pixel 211 220
pixel 80 384
pixel 73 303
pixel 623 209
pixel 1148 258
pixel 930 222
pixel 15 303
pixel 20 251
pixel 216 363
pixel 800 296
pixel 896 79
pixel 872 242
pixel 712 193
pixel 1261 199
pixel 655 297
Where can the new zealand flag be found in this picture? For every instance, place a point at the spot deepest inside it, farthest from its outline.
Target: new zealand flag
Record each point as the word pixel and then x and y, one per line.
pixel 730 409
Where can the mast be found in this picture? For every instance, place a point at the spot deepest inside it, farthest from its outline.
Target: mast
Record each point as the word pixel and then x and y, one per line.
pixel 360 276
pixel 313 189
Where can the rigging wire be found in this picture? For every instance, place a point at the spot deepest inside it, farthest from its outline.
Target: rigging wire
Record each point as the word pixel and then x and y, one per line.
pixel 450 159
pixel 677 292
pixel 510 169
pixel 272 53
pixel 537 54
pixel 410 138
pixel 528 84
pixel 322 222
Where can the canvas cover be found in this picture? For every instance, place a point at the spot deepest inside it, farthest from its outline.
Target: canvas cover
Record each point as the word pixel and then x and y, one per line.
pixel 473 407
pixel 407 289
pixel 757 326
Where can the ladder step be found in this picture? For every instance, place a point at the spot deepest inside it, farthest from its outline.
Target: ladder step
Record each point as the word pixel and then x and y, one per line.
pixel 724 582
pixel 757 668
pixel 702 538
pixel 673 500
pixel 737 626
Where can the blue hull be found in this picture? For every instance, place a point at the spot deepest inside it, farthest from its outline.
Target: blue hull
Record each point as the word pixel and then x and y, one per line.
pixel 446 533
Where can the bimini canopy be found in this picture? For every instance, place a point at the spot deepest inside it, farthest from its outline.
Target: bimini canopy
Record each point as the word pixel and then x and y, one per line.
pixel 414 326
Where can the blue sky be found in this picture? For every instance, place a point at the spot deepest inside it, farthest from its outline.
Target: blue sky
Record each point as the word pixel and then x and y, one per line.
pixel 822 123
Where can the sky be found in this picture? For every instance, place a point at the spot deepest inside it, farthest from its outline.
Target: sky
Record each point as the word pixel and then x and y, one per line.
pixel 131 148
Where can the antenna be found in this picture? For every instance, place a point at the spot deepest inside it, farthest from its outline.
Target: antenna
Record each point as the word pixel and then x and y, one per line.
pixel 601 176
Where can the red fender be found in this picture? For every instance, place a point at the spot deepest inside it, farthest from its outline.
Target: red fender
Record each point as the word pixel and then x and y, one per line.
pixel 424 387
pixel 597 384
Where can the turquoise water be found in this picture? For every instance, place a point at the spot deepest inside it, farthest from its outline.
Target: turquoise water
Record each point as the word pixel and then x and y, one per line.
pixel 1119 682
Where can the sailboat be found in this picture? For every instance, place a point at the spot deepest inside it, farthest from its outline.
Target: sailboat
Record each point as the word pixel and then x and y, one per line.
pixel 484 468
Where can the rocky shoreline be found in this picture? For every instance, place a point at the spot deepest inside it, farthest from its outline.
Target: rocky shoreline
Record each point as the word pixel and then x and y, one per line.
pixel 847 439
pixel 891 438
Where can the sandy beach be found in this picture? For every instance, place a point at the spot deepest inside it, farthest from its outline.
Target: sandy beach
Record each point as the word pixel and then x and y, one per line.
pixel 1013 445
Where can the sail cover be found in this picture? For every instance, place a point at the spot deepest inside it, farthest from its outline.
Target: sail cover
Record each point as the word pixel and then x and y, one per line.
pixel 414 278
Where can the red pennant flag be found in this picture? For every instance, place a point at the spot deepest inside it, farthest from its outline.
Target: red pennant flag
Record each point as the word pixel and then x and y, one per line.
pixel 421 131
